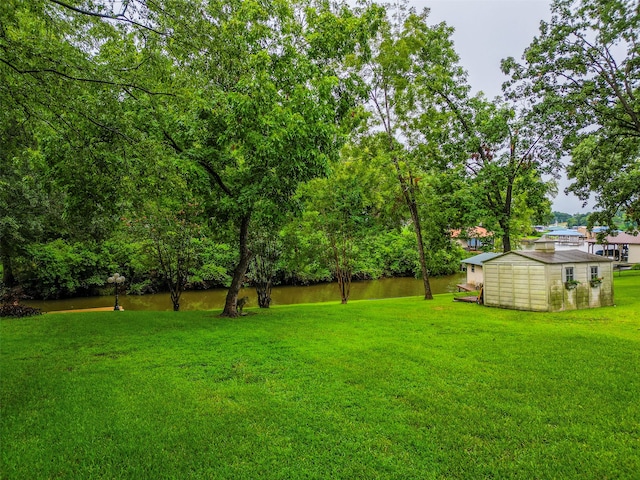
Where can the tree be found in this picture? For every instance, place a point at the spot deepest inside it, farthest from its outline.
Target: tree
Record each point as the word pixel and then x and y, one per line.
pixel 412 64
pixel 344 207
pixel 26 206
pixel 265 247
pixel 259 99
pixel 505 158
pixel 61 80
pixel 582 76
pixel 171 233
pixel 270 111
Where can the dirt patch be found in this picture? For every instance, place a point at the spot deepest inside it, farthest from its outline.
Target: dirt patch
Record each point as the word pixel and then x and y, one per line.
pixel 97 309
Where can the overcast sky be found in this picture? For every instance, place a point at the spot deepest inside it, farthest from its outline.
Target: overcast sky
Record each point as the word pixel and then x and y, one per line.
pixel 486 31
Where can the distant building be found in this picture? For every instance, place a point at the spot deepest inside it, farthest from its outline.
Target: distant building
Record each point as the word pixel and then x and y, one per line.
pixel 473 238
pixel 548 280
pixel 589 234
pixel 623 247
pixel 473 265
pixel 565 237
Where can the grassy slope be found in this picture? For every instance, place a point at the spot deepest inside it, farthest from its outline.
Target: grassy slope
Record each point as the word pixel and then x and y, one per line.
pixel 397 388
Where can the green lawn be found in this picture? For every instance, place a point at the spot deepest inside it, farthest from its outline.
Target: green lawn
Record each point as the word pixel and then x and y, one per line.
pixel 398 389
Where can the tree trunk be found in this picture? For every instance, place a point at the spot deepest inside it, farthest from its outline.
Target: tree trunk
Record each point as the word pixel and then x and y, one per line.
pixel 176 289
pixel 505 222
pixel 8 280
pixel 231 302
pixel 344 284
pixel 410 199
pixel 423 260
pixel 263 289
pixel 342 262
pixel 506 239
pixel 175 300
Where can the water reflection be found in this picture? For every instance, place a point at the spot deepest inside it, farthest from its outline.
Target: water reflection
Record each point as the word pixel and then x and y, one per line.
pixel 286 295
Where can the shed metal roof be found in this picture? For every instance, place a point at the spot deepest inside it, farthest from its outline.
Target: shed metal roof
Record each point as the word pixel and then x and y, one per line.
pixel 479 259
pixel 561 256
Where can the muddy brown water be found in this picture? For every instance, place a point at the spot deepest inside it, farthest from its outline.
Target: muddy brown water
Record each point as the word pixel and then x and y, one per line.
pixel 286 295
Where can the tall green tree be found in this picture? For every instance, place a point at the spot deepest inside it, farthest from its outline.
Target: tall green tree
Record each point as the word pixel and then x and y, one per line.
pixel 413 64
pixel 172 236
pixel 504 160
pixel 70 75
pixel 267 108
pixel 582 76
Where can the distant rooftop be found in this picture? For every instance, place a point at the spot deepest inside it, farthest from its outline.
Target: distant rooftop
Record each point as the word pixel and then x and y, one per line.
pixel 564 233
pixel 619 239
pixel 472 232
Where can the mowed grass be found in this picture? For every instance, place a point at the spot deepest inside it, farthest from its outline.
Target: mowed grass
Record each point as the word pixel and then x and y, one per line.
pixel 398 389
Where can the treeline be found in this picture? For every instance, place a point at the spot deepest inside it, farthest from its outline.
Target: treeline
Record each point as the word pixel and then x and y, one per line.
pixel 63 268
pixel 575 220
pixel 204 142
pixel 619 220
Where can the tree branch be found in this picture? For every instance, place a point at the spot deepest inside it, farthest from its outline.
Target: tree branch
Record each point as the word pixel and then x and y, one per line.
pixel 119 17
pixel 80 79
pixel 216 177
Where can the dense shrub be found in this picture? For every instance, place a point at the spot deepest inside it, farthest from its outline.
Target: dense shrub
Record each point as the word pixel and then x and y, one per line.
pixel 10 304
pixel 18 310
pixel 59 269
pixel 396 253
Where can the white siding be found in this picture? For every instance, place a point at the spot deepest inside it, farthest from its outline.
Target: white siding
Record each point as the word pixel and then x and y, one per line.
pixel 513 281
pixel 634 253
pixel 474 277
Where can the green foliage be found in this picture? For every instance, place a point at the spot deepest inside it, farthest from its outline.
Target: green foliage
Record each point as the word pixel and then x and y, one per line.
pixel 504 158
pixel 61 269
pixel 171 234
pixel 301 261
pixel 582 75
pixel 396 253
pixel 410 75
pixel 231 105
pixel 212 263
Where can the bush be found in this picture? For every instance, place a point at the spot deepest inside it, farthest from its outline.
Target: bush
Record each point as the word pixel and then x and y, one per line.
pixel 10 306
pixel 59 269
pixel 17 310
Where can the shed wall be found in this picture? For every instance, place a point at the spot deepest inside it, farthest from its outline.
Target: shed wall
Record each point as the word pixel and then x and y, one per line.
pixel 520 285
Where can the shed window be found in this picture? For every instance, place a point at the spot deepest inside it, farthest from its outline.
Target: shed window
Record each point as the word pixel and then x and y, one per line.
pixel 568 274
pixel 594 273
pixel 473 268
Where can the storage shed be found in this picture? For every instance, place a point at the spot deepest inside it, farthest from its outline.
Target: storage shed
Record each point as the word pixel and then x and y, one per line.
pixel 547 280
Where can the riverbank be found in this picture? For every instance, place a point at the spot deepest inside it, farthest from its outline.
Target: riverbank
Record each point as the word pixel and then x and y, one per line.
pixel 398 388
pixel 281 295
pixel 85 310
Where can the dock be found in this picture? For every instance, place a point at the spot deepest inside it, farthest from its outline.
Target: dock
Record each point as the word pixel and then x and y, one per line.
pixel 466 287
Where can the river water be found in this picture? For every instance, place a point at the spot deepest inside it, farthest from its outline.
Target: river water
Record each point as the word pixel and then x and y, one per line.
pixel 214 299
